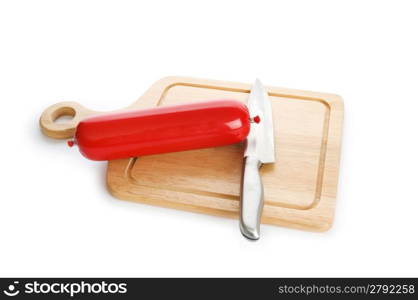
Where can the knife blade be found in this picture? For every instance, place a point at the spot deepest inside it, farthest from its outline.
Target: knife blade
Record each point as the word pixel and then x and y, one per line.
pixel 259 150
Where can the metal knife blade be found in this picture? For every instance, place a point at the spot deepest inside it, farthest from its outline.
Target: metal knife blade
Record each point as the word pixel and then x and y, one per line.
pixel 260 141
pixel 259 150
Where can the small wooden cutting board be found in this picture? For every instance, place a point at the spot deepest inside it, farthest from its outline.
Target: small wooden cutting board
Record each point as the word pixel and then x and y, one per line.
pixel 299 189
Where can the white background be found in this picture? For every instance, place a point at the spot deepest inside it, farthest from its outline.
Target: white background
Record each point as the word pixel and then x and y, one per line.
pixel 56 216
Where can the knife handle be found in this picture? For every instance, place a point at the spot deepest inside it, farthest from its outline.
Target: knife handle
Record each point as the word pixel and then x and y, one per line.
pixel 252 198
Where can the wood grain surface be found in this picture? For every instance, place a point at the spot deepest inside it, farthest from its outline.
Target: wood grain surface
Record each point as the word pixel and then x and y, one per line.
pixel 300 188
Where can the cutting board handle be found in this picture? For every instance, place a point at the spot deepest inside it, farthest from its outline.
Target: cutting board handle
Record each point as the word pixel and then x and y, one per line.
pixel 64 130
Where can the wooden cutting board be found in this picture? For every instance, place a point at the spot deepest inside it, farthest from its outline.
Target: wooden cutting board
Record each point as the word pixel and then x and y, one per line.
pixel 300 188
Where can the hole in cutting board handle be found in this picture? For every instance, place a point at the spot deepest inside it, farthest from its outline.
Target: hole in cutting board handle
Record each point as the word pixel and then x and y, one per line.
pixel 64 115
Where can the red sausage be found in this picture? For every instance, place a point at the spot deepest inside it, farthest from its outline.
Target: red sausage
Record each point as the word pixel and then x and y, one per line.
pixel 163 129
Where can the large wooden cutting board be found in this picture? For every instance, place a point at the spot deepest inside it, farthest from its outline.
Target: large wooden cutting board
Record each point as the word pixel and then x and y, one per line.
pixel 300 188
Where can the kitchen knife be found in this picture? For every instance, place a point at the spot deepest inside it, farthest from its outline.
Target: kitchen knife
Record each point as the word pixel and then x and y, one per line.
pixel 259 150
